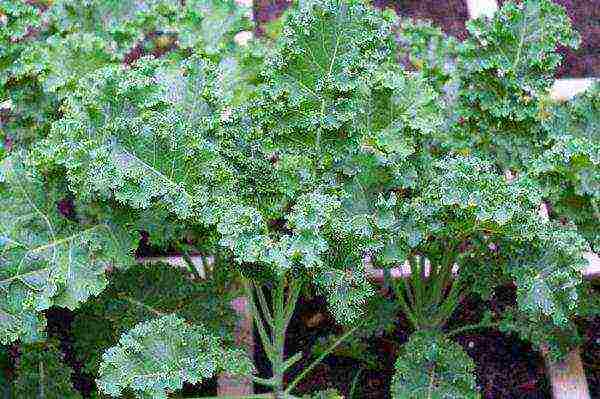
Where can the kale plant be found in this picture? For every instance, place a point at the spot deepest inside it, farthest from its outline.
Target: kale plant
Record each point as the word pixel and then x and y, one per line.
pixel 352 140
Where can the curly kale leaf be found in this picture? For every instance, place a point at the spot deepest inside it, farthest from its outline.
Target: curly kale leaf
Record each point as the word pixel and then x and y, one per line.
pixel 542 333
pixel 574 135
pixel 431 365
pixel 18 20
pixel 427 49
pixel 462 198
pixel 47 47
pixel 207 25
pixel 158 356
pixel 545 259
pixel 45 260
pixel 328 51
pixel 145 136
pixel 24 111
pixel 474 186
pixel 42 373
pixel 466 205
pixel 547 268
pixel 59 62
pixel 136 295
pixel 570 166
pixel 317 237
pixel 347 292
pixel 505 67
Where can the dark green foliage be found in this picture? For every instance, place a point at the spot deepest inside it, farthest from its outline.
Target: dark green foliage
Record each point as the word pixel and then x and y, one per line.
pixel 138 295
pixel 42 373
pixel 432 366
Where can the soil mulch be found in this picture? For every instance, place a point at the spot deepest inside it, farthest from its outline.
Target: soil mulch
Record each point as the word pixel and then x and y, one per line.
pixel 590 350
pixel 590 356
pixel 449 15
pixel 506 367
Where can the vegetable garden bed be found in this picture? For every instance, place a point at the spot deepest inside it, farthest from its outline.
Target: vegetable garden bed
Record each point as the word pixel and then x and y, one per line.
pixel 101 143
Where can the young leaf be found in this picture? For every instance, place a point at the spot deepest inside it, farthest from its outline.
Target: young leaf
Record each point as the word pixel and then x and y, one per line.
pixel 158 356
pixel 432 366
pixel 327 54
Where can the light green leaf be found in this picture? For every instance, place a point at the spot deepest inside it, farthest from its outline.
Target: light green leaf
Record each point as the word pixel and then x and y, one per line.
pixel 158 356
pixel 44 259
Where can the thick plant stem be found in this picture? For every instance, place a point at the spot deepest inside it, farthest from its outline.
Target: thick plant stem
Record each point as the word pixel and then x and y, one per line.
pixel 426 304
pixel 399 288
pixel 272 323
pixel 278 333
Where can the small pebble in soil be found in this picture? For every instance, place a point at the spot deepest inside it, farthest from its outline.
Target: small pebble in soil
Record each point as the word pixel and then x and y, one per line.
pixel 313 320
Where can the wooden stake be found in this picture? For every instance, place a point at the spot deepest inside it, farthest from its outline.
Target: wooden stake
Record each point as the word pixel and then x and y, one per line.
pixel 567 377
pixel 479 8
pixel 566 89
pixel 231 385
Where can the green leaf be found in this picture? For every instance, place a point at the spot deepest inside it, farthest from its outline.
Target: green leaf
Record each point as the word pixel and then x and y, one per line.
pixel 506 67
pixel 45 260
pixel 136 294
pixel 328 51
pixel 427 49
pixel 473 186
pixel 347 292
pixel 158 356
pixel 547 269
pixel 430 365
pixel 145 136
pixel 42 373
pixel 542 333
pixel 570 166
pixel 208 25
pixel 574 137
pixel 59 62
